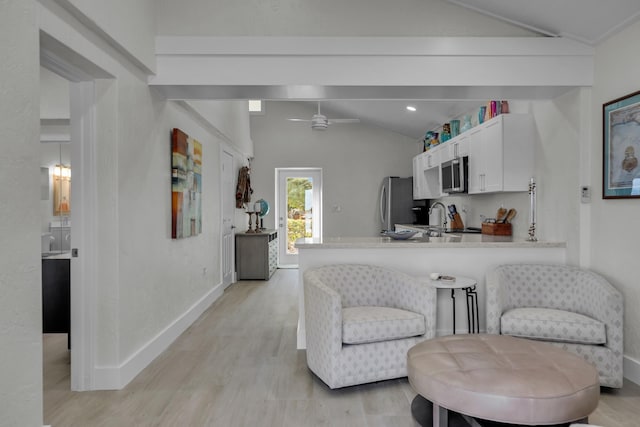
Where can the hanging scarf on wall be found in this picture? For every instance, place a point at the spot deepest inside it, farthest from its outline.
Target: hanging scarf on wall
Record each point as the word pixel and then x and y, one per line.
pixel 243 189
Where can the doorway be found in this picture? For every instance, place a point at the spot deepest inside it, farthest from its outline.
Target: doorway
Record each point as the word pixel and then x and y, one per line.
pixel 228 206
pixel 298 209
pixel 82 78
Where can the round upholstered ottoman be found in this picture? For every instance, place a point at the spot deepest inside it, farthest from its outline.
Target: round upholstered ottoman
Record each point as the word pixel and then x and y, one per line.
pixel 502 378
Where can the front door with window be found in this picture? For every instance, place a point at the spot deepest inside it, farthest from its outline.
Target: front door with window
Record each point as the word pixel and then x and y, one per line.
pixel 299 210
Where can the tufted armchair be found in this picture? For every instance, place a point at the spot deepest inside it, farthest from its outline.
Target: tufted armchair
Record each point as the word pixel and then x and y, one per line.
pixel 573 308
pixel 361 320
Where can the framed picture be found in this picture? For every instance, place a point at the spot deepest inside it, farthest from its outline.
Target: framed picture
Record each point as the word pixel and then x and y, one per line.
pixel 621 147
pixel 186 185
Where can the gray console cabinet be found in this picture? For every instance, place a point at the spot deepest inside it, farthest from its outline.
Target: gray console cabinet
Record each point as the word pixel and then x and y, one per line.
pixel 256 255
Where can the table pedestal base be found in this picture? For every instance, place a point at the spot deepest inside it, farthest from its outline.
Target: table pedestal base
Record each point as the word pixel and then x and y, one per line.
pixel 422 412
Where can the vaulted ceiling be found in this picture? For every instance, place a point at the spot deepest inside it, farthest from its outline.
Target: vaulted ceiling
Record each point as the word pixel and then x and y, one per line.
pixel 587 21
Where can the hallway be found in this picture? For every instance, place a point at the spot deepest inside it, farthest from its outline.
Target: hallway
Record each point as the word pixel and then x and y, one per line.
pixel 237 366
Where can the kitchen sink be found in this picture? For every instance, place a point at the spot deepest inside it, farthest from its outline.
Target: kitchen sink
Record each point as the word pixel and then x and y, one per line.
pixel 466 231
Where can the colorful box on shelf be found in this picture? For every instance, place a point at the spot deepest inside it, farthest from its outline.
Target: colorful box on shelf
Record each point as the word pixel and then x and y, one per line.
pixel 496 228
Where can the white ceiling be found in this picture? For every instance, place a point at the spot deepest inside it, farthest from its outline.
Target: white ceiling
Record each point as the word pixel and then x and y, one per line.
pixel 587 21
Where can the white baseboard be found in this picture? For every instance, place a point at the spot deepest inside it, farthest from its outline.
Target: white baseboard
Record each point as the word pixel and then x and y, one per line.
pixel 631 369
pixel 117 377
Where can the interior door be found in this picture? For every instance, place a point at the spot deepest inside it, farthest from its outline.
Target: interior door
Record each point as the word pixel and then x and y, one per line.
pixel 299 210
pixel 228 206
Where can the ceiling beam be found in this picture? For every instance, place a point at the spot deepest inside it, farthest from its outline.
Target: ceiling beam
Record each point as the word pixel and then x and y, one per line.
pixel 370 67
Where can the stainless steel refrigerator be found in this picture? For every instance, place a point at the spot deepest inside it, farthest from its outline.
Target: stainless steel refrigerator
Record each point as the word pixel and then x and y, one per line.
pixel 396 201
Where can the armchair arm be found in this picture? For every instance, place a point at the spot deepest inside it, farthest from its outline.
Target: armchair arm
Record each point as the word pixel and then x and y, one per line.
pixel 323 323
pixel 600 300
pixel 496 300
pixel 408 293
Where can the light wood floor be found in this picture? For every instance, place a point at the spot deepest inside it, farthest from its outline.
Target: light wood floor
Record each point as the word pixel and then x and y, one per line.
pixel 238 366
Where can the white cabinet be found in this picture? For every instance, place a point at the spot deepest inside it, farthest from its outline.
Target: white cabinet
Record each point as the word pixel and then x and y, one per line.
pixel 432 157
pixel 501 154
pixel 426 175
pixel 456 147
pixel 418 177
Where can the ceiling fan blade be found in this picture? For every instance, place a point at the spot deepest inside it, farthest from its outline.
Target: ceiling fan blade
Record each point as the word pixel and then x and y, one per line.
pixel 344 121
pixel 299 120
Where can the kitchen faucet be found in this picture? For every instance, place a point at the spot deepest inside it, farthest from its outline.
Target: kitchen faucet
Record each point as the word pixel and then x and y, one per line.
pixel 442 228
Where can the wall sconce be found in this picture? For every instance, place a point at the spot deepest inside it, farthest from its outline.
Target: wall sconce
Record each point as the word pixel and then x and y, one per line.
pixel 61 190
pixel 62 171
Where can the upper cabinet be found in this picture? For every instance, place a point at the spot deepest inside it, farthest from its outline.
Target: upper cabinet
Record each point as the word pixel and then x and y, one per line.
pixel 456 147
pixel 500 158
pixel 501 154
pixel 426 175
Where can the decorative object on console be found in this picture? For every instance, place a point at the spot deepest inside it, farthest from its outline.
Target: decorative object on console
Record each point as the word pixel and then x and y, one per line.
pixel 262 209
pixel 186 185
pixel 621 143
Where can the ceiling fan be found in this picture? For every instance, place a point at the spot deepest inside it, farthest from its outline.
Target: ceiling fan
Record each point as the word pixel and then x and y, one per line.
pixel 321 122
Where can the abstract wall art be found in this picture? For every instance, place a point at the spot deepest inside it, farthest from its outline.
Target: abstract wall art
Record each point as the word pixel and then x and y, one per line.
pixel 186 185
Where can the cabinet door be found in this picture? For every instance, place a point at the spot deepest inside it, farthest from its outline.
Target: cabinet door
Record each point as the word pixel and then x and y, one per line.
pixel 433 187
pixel 417 174
pixel 433 158
pixel 492 141
pixel 461 147
pixel 476 162
pixel 457 147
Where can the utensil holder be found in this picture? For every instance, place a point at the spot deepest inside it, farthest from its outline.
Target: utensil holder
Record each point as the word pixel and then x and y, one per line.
pixel 497 228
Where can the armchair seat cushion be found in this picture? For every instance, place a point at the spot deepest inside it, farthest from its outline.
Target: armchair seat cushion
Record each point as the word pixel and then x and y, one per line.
pixel 368 324
pixel 552 325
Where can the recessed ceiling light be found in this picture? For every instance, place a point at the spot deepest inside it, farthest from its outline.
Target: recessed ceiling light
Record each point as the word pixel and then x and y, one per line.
pixel 411 108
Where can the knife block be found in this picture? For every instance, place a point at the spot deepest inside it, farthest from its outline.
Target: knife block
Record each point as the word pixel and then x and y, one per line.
pixel 456 222
pixel 496 229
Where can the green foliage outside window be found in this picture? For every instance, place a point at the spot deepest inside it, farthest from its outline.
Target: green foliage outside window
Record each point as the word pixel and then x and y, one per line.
pixel 296 188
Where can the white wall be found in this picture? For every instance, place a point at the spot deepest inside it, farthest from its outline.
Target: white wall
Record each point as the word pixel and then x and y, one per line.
pixel 326 18
pixel 146 281
pixel 131 25
pixel 231 119
pixel 354 158
pixel 54 96
pixel 160 278
pixel 20 309
pixel 615 233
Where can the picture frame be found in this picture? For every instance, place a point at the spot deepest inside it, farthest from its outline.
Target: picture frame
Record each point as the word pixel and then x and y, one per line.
pixel 621 147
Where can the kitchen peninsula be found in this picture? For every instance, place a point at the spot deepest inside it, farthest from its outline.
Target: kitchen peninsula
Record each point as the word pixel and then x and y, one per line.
pixel 455 254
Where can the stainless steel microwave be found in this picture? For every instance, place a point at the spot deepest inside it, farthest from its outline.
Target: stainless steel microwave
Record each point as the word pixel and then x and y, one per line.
pixel 454 176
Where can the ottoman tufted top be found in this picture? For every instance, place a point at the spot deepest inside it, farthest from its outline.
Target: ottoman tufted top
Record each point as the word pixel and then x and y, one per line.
pixel 505 379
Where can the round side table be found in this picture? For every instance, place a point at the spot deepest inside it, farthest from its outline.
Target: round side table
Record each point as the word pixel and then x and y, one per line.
pixel 468 285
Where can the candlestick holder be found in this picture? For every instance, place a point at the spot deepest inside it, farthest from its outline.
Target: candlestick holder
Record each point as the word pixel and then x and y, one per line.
pixel 532 212
pixel 250 230
pixel 257 229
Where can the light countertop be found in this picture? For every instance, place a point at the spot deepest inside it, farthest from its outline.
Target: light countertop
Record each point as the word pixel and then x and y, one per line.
pixel 449 240
pixel 56 255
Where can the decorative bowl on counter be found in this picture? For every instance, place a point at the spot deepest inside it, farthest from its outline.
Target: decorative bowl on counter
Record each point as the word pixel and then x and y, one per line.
pixel 400 235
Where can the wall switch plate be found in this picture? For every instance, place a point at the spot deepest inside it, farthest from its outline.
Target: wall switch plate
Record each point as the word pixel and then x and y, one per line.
pixel 585 194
